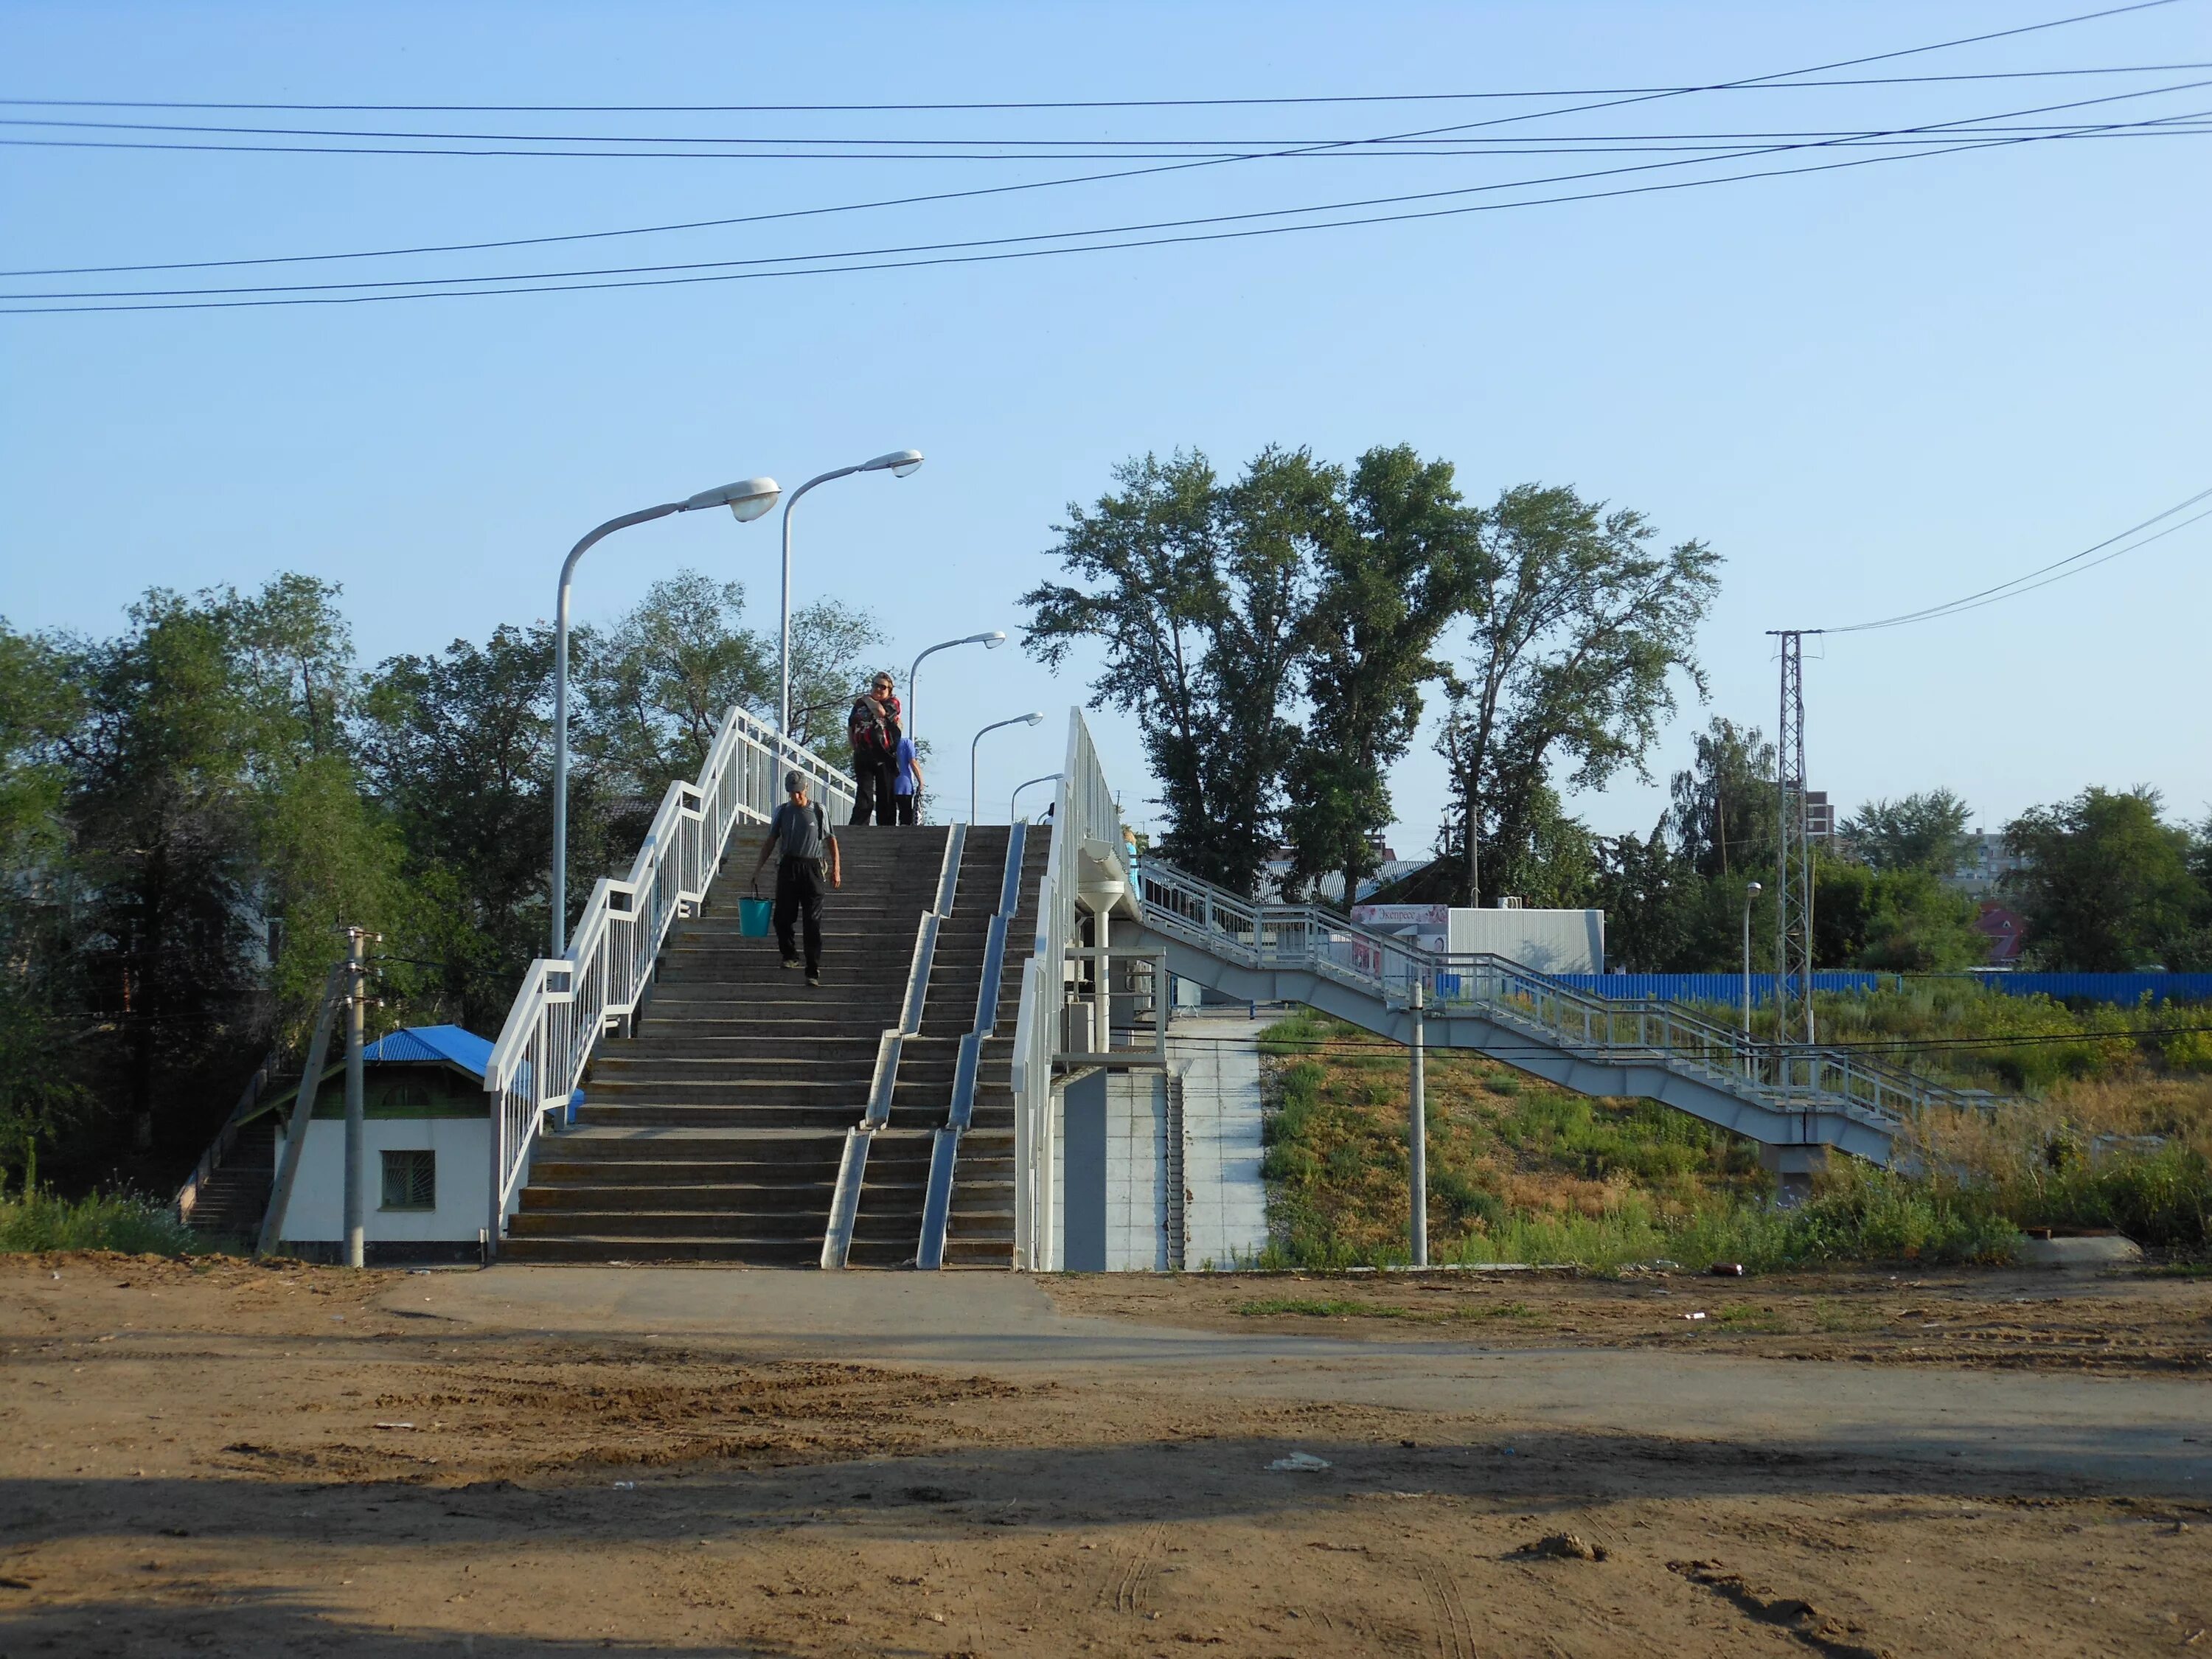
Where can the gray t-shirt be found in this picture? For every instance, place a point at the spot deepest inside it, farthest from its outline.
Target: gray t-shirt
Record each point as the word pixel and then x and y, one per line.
pixel 801 832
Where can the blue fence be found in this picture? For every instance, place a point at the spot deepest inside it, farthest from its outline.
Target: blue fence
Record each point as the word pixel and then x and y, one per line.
pixel 2125 989
pixel 1712 987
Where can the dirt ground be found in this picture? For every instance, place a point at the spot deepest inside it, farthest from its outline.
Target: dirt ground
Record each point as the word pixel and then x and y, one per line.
pixel 2136 1324
pixel 227 1459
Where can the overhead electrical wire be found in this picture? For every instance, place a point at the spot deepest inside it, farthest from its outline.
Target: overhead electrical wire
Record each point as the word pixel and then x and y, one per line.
pixel 963 149
pixel 962 252
pixel 1771 79
pixel 1775 79
pixel 996 258
pixel 2058 570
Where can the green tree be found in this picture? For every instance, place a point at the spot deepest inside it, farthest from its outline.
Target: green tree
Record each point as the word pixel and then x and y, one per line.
pixel 161 812
pixel 1926 830
pixel 1398 553
pixel 656 686
pixel 1726 809
pixel 1198 595
pixel 459 748
pixel 1578 628
pixel 831 643
pixel 2106 885
pixel 1653 900
pixel 1902 922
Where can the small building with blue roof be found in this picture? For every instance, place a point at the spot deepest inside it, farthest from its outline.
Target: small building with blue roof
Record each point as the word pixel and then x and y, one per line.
pixel 427 1137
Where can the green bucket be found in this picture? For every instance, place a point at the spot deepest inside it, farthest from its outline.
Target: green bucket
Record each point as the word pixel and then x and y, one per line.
pixel 753 917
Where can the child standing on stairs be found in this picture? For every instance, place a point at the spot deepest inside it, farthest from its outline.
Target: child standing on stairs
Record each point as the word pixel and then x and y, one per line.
pixel 800 832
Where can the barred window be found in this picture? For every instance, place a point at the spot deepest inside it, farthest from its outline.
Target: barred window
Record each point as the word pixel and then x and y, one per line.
pixel 410 1181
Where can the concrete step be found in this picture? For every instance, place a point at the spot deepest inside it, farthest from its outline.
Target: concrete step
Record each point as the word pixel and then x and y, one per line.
pixel 793 1226
pixel 753 1252
pixel 839 1113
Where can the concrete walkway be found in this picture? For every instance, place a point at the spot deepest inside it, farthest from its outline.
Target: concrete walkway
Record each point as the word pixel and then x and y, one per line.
pixel 2145 1434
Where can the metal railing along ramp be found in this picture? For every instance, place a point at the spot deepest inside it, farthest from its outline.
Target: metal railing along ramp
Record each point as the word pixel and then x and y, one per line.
pixel 1780 1095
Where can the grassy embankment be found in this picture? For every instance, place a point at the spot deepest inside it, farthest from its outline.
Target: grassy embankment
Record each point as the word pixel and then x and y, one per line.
pixel 1521 1171
pixel 35 1220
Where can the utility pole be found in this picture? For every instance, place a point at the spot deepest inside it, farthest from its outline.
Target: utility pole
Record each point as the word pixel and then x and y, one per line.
pixel 1793 885
pixel 357 1198
pixel 1417 1130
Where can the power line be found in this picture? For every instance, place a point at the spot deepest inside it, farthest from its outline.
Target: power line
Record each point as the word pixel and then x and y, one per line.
pixel 1273 101
pixel 1002 257
pixel 955 252
pixel 1319 151
pixel 2058 570
pixel 949 150
pixel 1774 80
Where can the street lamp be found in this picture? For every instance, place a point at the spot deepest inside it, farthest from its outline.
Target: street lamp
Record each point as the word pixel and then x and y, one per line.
pixel 1049 777
pixel 990 641
pixel 1750 892
pixel 747 499
pixel 899 463
pixel 1019 720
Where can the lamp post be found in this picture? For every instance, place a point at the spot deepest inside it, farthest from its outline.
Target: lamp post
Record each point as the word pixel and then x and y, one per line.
pixel 990 641
pixel 1049 777
pixel 747 499
pixel 899 463
pixel 1750 892
pixel 1019 720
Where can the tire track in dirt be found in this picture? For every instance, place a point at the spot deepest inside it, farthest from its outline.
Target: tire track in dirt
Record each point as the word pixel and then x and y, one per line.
pixel 1136 1575
pixel 1455 1630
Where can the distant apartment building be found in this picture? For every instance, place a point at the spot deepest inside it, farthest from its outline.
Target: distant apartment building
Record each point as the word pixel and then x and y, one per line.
pixel 1984 860
pixel 1819 816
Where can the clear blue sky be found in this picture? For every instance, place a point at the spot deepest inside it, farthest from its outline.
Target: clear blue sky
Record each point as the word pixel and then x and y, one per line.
pixel 1867 389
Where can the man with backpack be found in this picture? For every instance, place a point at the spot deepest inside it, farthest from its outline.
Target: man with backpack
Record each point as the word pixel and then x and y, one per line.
pixel 800 832
pixel 873 728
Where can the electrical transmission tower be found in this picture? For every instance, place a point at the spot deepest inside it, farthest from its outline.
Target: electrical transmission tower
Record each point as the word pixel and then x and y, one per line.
pixel 1793 885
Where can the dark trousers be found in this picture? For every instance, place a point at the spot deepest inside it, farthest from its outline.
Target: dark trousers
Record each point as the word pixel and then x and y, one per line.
pixel 876 777
pixel 799 889
pixel 907 808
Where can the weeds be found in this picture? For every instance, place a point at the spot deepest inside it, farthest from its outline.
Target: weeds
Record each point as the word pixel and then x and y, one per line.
pixel 1542 1175
pixel 37 1220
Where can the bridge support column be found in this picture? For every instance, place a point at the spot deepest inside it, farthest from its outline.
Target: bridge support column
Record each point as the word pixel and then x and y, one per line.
pixel 1793 1168
pixel 1417 1134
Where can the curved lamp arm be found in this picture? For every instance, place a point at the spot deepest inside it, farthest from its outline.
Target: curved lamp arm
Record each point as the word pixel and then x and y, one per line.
pixel 1019 720
pixel 747 499
pixel 899 463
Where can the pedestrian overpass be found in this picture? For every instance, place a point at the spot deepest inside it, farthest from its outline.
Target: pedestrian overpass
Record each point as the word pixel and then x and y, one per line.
pixel 665 1090
pixel 1113 927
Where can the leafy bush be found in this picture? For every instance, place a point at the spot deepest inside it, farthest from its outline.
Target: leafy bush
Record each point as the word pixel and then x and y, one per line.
pixel 135 1225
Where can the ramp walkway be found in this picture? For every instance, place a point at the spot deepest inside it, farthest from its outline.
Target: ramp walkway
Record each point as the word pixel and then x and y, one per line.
pixel 1783 1095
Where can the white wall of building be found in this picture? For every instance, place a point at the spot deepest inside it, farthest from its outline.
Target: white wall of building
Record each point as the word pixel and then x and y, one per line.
pixel 1548 941
pixel 463 1146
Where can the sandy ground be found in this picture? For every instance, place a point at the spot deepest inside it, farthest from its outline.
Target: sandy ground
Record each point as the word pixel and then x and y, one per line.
pixel 231 1458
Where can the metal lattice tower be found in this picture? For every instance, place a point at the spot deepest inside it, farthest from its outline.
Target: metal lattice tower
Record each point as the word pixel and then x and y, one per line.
pixel 1793 885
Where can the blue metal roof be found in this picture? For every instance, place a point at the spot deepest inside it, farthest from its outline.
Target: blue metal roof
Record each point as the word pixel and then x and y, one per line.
pixel 450 1044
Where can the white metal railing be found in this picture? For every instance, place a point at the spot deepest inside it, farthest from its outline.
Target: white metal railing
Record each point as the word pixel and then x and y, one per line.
pixel 566 1002
pixel 1082 809
pixel 1788 1076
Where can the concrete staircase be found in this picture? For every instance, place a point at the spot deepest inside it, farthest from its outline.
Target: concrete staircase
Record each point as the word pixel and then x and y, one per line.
pixel 230 1204
pixel 715 1132
pixel 887 1225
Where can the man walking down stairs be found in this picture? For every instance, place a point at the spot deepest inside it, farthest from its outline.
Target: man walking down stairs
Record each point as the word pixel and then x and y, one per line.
pixel 713 1132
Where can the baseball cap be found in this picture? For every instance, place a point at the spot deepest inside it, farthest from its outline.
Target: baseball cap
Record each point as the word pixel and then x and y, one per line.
pixel 793 783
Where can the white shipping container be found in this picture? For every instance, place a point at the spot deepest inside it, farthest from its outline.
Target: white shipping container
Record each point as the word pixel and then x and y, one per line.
pixel 1548 941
